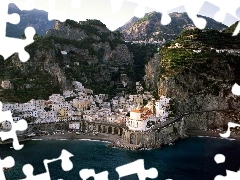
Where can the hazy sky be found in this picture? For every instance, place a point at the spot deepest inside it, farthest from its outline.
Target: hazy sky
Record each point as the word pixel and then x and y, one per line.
pixel 101 9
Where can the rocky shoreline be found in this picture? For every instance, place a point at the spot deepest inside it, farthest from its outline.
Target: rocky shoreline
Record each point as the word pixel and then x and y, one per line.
pixel 216 134
pixel 115 141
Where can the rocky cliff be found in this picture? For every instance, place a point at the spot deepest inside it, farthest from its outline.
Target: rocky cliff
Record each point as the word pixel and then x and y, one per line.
pixel 128 24
pixel 150 28
pixel 197 71
pixel 86 51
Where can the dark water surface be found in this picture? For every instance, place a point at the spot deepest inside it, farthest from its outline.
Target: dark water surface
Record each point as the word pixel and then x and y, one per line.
pixel 189 159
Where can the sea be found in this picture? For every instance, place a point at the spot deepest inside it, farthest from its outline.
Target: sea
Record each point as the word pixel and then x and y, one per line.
pixel 188 159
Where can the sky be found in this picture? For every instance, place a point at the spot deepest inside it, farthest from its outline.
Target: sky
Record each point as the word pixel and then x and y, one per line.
pixel 114 14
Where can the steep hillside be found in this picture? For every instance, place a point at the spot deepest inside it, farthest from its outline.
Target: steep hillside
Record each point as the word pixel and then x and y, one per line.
pixel 86 51
pixel 150 28
pixel 197 71
pixel 232 28
pixel 34 18
pixel 128 24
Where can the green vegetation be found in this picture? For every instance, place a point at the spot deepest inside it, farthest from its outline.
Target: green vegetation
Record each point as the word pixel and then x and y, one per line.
pixel 211 67
pixel 141 55
pixel 87 22
pixel 176 59
pixel 232 28
pixel 149 16
pixel 40 86
pixel 39 43
pixel 91 27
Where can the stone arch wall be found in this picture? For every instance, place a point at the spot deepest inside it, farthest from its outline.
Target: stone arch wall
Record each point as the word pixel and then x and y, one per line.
pixel 133 138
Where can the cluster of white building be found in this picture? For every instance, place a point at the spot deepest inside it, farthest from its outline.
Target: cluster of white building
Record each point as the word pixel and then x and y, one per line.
pixel 86 106
pixel 149 41
pixel 144 118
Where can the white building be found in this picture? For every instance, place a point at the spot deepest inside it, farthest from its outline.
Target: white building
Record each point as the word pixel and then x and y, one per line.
pixel 58 106
pixel 141 119
pixel 56 98
pixel 37 102
pixel 74 125
pixel 161 107
pixel 68 93
pixel 77 86
pixel 8 106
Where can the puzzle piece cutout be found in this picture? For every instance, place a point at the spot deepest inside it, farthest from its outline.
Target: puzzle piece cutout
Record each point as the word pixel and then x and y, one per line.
pixel 65 9
pixel 230 125
pixel 66 164
pixel 166 5
pixel 230 175
pixel 21 125
pixel 9 45
pixel 231 8
pixel 137 167
pixel 236 89
pixel 87 173
pixel 8 162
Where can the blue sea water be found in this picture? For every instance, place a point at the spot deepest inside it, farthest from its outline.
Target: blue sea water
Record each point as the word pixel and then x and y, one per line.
pixel 188 159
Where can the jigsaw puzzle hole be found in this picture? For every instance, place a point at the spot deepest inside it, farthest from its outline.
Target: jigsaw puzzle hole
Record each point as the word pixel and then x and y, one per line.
pixel 5 126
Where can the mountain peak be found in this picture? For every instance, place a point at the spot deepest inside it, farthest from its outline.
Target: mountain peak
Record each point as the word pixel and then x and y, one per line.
pixel 129 23
pixel 150 27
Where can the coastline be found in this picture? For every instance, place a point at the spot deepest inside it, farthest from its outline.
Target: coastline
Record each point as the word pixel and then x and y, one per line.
pixel 72 136
pixel 211 134
pixel 114 141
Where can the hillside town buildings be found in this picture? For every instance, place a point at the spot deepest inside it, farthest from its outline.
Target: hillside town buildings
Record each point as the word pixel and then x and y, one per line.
pixel 127 110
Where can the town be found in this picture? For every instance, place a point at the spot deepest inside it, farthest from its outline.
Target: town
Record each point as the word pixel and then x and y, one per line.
pixel 80 111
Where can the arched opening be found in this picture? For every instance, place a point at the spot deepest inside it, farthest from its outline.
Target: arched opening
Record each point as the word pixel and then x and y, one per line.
pixel 58 127
pixel 42 128
pixel 109 130
pixel 116 130
pixel 65 127
pixel 121 132
pixel 49 128
pixel 132 138
pixel 103 129
pixel 145 138
pixel 35 129
pixel 94 126
pixel 83 126
pixel 99 128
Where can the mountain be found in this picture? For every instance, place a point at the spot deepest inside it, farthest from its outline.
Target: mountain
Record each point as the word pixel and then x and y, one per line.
pixel 128 24
pixel 150 28
pixel 72 51
pixel 34 18
pixel 197 71
pixel 231 28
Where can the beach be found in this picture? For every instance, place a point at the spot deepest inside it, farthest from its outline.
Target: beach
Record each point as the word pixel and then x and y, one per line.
pixel 72 136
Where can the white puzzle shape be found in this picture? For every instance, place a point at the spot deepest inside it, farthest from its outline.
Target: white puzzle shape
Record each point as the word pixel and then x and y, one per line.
pixel 56 9
pixel 230 175
pixel 8 162
pixel 21 125
pixel 9 45
pixel 66 166
pixel 137 167
pixel 87 173
pixel 71 9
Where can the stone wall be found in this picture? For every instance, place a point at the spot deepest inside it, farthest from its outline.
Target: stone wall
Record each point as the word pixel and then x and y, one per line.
pixel 155 138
